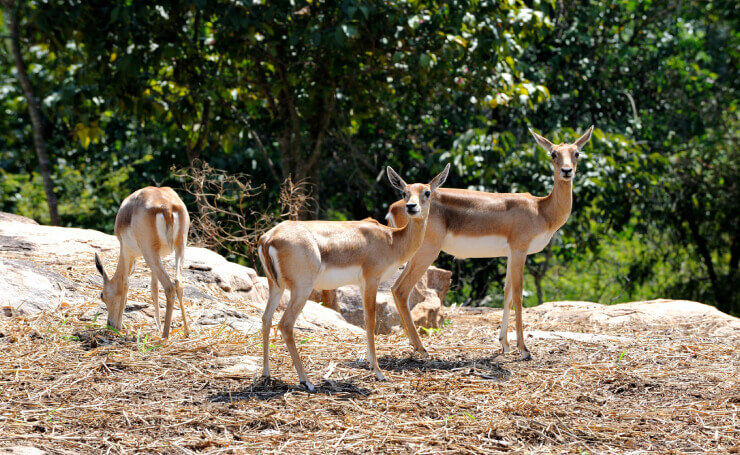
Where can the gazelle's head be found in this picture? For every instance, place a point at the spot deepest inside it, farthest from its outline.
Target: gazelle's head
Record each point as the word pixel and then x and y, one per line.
pixel 417 195
pixel 564 156
pixel 111 296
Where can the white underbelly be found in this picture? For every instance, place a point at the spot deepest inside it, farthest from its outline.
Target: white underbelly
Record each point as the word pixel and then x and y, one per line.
pixel 334 277
pixel 486 246
pixel 539 243
pixel 389 273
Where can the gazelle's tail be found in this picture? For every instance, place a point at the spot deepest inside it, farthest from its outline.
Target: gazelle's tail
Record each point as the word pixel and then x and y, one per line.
pixel 263 250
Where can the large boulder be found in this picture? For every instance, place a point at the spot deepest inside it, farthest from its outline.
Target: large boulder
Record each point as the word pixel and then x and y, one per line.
pixel 683 315
pixel 45 268
pixel 29 288
pixel 425 302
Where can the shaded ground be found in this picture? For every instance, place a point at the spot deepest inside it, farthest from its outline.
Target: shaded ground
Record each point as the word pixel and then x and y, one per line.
pixel 69 388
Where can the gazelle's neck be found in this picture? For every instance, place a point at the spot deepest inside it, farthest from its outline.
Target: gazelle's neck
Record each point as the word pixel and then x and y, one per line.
pixel 408 239
pixel 120 278
pixel 556 206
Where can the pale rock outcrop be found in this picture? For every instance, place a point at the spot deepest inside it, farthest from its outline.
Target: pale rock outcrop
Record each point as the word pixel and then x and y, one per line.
pixel 29 288
pixel 35 261
pixel 425 302
pixel 682 315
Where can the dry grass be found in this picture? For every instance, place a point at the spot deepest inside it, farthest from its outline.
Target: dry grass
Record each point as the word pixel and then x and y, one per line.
pixel 104 393
pixel 69 387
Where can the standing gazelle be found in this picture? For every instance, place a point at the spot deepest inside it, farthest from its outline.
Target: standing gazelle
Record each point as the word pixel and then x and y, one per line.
pixel 306 255
pixel 152 222
pixel 474 224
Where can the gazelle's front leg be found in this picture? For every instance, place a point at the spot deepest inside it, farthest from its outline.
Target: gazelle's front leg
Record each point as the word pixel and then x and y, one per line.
pixel 369 293
pixel 516 261
pixel 403 286
pixel 503 336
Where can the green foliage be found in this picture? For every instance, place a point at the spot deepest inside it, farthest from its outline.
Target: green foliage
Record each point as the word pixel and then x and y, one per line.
pixel 333 91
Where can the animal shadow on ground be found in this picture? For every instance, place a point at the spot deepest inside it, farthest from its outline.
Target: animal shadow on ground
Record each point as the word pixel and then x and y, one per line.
pixel 486 368
pixel 269 388
pixel 93 338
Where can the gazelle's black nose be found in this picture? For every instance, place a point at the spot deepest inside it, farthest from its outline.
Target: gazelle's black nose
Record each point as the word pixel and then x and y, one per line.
pixel 567 171
pixel 411 206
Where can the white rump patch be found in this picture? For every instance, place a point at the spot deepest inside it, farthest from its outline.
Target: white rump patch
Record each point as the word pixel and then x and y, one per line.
pixel 487 246
pixel 175 227
pixel 272 251
pixel 164 245
pixel 334 277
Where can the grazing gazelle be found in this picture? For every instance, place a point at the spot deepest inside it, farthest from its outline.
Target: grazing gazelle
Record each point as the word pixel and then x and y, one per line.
pixel 152 222
pixel 474 224
pixel 306 255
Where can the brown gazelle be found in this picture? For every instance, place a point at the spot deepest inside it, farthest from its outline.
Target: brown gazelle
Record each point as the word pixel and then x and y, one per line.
pixel 474 224
pixel 152 222
pixel 305 255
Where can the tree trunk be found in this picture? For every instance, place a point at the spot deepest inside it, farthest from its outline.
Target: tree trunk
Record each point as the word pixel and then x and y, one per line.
pixel 33 111
pixel 706 255
pixel 538 286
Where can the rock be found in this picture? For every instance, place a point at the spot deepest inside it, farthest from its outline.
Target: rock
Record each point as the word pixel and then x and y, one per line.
pixel 216 291
pixel 683 314
pixel 428 314
pixel 326 318
pixel 231 318
pixel 238 366
pixel 430 290
pixel 208 267
pixel 29 288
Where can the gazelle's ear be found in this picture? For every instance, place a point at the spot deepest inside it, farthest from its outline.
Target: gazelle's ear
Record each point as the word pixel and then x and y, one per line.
pixel 396 179
pixel 99 266
pixel 542 141
pixel 585 138
pixel 440 178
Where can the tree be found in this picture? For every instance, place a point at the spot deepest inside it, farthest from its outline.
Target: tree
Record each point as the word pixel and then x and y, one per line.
pixel 12 18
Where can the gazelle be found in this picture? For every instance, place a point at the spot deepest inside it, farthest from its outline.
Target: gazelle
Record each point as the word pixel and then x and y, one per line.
pixel 474 224
pixel 306 255
pixel 152 222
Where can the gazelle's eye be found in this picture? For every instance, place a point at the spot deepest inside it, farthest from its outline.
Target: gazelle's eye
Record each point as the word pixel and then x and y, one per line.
pixel 101 296
pixel 427 193
pixel 405 195
pixel 553 155
pixel 577 154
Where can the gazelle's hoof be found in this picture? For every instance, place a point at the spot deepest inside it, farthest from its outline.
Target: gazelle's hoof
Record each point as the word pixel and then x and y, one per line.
pixel 309 387
pixel 526 355
pixel 380 377
pixel 422 353
pixel 505 350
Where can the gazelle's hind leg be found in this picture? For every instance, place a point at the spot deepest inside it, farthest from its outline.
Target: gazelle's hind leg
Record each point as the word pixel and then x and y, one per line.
pixel 298 296
pixel 155 300
pixel 179 253
pixel 155 264
pixel 503 336
pixel 276 293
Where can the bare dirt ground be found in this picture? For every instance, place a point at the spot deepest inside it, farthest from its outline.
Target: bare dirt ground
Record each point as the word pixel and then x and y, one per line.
pixel 69 387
